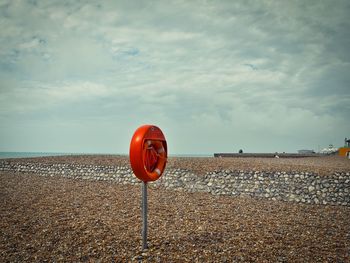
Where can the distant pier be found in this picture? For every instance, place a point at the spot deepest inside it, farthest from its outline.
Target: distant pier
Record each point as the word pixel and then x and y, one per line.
pixel 266 155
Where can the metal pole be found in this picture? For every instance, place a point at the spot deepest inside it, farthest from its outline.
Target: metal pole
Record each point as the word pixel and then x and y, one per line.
pixel 144 215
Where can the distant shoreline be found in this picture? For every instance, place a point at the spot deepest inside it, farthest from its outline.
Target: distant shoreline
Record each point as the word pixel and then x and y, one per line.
pixel 267 155
pixel 10 155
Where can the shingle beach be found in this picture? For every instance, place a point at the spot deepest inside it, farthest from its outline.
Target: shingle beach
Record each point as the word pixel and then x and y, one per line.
pixel 62 219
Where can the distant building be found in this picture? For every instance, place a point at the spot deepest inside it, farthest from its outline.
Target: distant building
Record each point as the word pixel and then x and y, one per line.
pixel 347 143
pixel 306 151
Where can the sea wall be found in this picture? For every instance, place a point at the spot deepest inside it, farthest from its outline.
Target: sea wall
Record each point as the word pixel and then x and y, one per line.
pixel 300 187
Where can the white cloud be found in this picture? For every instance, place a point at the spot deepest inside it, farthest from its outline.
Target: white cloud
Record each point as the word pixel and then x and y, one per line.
pixel 29 97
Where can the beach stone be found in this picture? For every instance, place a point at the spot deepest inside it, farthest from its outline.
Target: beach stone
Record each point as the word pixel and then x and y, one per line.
pixel 311 188
pixel 308 188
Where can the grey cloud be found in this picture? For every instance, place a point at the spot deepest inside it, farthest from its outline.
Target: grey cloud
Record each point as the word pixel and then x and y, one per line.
pixel 227 64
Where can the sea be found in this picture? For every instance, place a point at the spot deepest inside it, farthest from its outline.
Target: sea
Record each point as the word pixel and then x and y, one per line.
pixel 6 155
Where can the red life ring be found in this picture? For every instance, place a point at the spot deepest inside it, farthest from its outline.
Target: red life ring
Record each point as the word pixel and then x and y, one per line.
pixel 148 153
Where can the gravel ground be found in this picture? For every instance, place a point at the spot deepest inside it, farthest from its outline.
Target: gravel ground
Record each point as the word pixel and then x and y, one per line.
pixel 321 165
pixel 64 220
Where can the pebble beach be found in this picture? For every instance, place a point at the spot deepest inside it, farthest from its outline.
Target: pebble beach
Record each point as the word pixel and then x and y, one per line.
pixel 54 217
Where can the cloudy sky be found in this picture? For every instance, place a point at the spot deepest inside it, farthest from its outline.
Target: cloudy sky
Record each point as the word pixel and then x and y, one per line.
pixel 215 76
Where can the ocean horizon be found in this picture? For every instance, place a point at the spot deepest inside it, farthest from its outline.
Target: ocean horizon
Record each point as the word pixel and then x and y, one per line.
pixel 7 155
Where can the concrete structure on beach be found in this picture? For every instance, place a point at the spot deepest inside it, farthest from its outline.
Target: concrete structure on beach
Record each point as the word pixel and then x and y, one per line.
pixel 345 151
pixel 266 155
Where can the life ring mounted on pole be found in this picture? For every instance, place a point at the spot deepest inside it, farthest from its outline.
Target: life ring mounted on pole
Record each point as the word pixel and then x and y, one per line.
pixel 148 153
